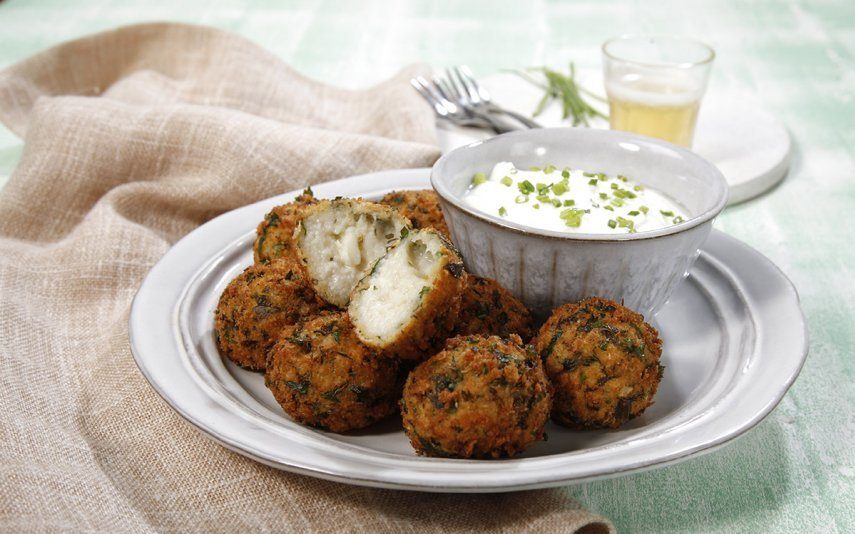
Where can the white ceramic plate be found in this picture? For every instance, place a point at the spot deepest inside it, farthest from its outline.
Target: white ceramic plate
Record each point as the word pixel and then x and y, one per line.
pixel 734 339
pixel 748 144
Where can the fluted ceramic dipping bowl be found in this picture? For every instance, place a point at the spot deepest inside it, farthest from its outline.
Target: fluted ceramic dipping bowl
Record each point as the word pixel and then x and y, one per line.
pixel 547 268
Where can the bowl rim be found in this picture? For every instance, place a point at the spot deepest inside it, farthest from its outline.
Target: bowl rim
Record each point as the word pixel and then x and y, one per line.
pixel 707 215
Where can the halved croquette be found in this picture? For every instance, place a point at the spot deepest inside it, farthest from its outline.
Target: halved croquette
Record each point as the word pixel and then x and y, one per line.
pixel 409 303
pixel 275 234
pixel 339 240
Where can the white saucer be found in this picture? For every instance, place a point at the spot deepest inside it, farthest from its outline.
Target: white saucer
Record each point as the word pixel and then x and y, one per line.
pixel 749 145
pixel 734 339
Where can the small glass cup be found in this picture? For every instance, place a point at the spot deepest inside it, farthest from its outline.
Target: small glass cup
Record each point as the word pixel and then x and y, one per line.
pixel 655 84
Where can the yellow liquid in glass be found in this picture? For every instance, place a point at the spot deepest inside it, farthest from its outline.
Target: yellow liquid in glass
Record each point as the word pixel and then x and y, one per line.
pixel 674 123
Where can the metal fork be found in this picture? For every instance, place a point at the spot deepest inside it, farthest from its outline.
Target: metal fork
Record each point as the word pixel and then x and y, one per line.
pixel 470 93
pixel 436 95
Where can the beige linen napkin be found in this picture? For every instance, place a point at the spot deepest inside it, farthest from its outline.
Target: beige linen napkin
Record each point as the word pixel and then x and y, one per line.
pixel 134 137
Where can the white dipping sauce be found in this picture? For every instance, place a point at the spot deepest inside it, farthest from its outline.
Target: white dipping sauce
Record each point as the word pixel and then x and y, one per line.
pixel 573 201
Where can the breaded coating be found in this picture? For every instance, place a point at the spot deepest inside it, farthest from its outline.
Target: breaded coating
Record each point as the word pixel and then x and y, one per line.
pixel 409 303
pixel 481 397
pixel 603 360
pixel 420 207
pixel 256 306
pixel 275 234
pixel 338 241
pixel 324 377
pixel 487 308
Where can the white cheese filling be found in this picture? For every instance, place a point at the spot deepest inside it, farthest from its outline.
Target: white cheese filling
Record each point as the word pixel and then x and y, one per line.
pixel 394 291
pixel 340 244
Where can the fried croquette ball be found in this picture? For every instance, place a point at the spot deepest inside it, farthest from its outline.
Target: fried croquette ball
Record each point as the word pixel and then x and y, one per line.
pixel 603 360
pixel 256 306
pixel 408 304
pixel 275 234
pixel 481 397
pixel 338 241
pixel 420 207
pixel 488 308
pixel 323 376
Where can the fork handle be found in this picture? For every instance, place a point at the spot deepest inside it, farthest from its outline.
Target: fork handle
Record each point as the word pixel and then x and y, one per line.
pixel 498 125
pixel 529 123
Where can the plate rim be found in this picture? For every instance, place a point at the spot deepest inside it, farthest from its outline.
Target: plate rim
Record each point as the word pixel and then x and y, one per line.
pixel 422 175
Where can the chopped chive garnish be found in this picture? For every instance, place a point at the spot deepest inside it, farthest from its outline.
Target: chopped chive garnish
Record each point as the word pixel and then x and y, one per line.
pixel 612 223
pixel 614 185
pixel 592 182
pixel 633 213
pixel 638 188
pixel 506 181
pixel 542 198
pixel 549 169
pixel 616 202
pixel 608 208
pixel 626 223
pixel 560 188
pixel 569 202
pixel 556 202
pixel 542 188
pixel 534 169
pixel 603 196
pixel 521 199
pixel 643 209
pixel 572 217
pixel 622 178
pixel 602 177
pixel 667 213
pixel 479 178
pixel 502 211
pixel 536 206
pixel 589 174
pixel 565 173
pixel 677 220
pixel 525 187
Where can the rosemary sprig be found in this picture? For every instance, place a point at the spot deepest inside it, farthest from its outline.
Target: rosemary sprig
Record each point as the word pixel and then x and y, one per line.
pixel 563 87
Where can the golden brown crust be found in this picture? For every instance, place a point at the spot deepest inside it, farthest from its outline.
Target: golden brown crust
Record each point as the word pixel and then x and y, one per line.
pixel 487 308
pixel 481 397
pixel 435 319
pixel 421 207
pixel 256 306
pixel 323 376
pixel 603 360
pixel 275 234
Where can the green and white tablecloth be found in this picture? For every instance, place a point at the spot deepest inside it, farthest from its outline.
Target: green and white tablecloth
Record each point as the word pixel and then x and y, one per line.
pixel 795 471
